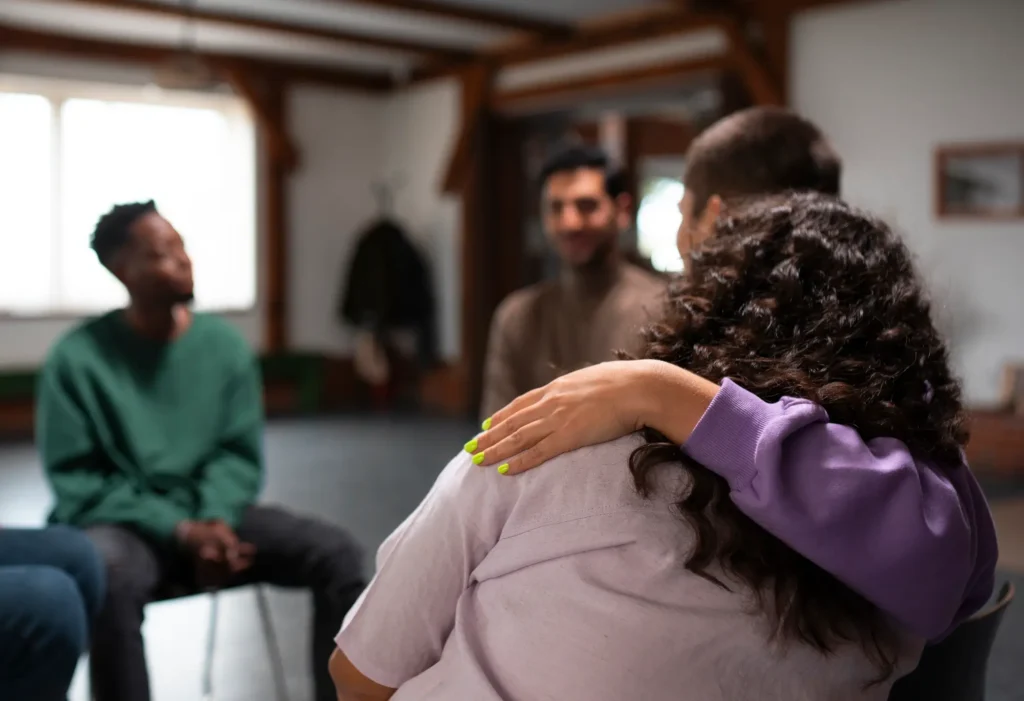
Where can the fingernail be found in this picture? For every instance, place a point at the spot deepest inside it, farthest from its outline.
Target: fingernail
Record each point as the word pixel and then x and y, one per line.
pixel 478 459
pixel 503 470
pixel 487 424
pixel 471 446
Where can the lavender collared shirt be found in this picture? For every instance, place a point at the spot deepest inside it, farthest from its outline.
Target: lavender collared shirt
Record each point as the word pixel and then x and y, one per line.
pixel 563 583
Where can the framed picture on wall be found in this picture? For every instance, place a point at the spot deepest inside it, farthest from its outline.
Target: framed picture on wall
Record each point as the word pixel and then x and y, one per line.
pixel 980 181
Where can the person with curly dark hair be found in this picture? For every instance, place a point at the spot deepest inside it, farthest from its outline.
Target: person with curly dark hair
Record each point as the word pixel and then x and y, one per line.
pixel 624 570
pixel 796 298
pixel 913 535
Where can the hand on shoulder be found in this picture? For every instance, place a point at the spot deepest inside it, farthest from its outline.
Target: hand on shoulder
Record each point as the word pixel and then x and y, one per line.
pixel 591 406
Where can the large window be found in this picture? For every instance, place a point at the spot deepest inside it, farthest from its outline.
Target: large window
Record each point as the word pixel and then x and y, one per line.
pixel 70 151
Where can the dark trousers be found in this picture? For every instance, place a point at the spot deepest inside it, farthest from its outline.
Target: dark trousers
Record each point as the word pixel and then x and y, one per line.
pixel 291 551
pixel 51 586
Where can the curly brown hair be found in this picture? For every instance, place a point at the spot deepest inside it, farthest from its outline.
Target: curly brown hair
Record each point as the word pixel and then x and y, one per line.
pixel 800 295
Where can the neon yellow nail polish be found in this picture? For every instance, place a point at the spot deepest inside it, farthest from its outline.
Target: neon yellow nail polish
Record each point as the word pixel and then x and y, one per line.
pixel 478 459
pixel 487 424
pixel 503 470
pixel 471 446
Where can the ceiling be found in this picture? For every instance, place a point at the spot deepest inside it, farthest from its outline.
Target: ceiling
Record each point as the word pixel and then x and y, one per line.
pixel 391 38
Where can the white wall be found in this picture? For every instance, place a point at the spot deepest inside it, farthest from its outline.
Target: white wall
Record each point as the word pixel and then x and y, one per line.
pixel 348 142
pixel 891 81
pixel 341 138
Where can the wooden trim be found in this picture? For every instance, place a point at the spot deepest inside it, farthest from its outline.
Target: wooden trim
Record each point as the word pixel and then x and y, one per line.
pixel 756 77
pixel 470 13
pixel 632 168
pixel 475 92
pixel 236 20
pixel 774 26
pixel 458 161
pixel 276 193
pixel 662 136
pixel 551 94
pixel 476 87
pixel 979 149
pixel 588 132
pixel 280 144
pixel 996 446
pixel 30 40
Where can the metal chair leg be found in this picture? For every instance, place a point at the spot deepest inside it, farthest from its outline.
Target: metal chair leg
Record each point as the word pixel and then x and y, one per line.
pixel 273 649
pixel 211 639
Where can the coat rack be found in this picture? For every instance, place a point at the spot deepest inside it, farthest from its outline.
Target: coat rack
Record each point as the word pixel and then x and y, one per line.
pixel 384 194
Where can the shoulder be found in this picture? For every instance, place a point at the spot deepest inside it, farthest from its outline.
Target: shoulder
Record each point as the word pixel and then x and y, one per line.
pixel 641 293
pixel 221 334
pixel 592 481
pixel 641 279
pixel 519 305
pixel 587 481
pixel 80 341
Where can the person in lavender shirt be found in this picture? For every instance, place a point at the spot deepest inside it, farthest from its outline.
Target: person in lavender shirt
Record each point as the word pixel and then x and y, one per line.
pixel 624 570
pixel 911 535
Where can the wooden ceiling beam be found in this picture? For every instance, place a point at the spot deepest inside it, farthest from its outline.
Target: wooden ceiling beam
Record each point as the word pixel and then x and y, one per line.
pixel 245 21
pixel 467 13
pixel 641 27
pixel 645 27
pixel 569 92
pixel 14 38
pixel 477 84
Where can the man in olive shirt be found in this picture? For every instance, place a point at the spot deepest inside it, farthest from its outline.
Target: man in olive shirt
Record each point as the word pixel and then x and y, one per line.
pixel 597 304
pixel 150 425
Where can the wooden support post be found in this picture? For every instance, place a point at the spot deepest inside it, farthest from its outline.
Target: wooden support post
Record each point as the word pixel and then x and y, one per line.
pixel 756 76
pixel 280 146
pixel 473 177
pixel 276 198
pixel 775 43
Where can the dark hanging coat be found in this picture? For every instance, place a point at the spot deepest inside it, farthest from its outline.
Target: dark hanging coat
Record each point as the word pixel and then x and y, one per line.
pixel 389 287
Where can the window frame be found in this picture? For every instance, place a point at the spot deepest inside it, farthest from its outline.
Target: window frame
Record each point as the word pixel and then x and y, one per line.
pixel 59 90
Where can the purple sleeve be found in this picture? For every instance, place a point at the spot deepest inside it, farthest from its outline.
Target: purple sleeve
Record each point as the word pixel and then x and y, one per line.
pixel 915 540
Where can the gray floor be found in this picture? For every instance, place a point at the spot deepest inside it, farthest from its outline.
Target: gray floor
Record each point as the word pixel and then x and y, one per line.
pixel 365 474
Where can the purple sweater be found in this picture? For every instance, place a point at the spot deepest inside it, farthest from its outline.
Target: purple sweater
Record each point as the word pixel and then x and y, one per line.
pixel 915 539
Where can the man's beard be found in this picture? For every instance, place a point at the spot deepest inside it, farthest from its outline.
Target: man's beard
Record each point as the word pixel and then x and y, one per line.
pixel 601 253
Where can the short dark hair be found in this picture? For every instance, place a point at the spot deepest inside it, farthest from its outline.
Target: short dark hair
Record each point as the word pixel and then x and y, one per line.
pixel 760 151
pixel 577 157
pixel 113 229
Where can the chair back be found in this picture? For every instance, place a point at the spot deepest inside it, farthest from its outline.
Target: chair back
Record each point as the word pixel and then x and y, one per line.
pixel 954 669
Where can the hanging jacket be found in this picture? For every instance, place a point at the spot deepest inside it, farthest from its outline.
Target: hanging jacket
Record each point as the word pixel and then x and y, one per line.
pixel 388 287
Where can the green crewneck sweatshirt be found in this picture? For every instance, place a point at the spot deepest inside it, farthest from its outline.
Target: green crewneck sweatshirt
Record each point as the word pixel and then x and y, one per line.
pixel 146 434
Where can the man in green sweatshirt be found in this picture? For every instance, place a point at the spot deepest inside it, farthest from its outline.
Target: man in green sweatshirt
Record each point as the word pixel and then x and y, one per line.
pixel 150 427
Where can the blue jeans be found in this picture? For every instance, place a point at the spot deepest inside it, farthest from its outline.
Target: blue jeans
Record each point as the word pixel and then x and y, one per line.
pixel 51 588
